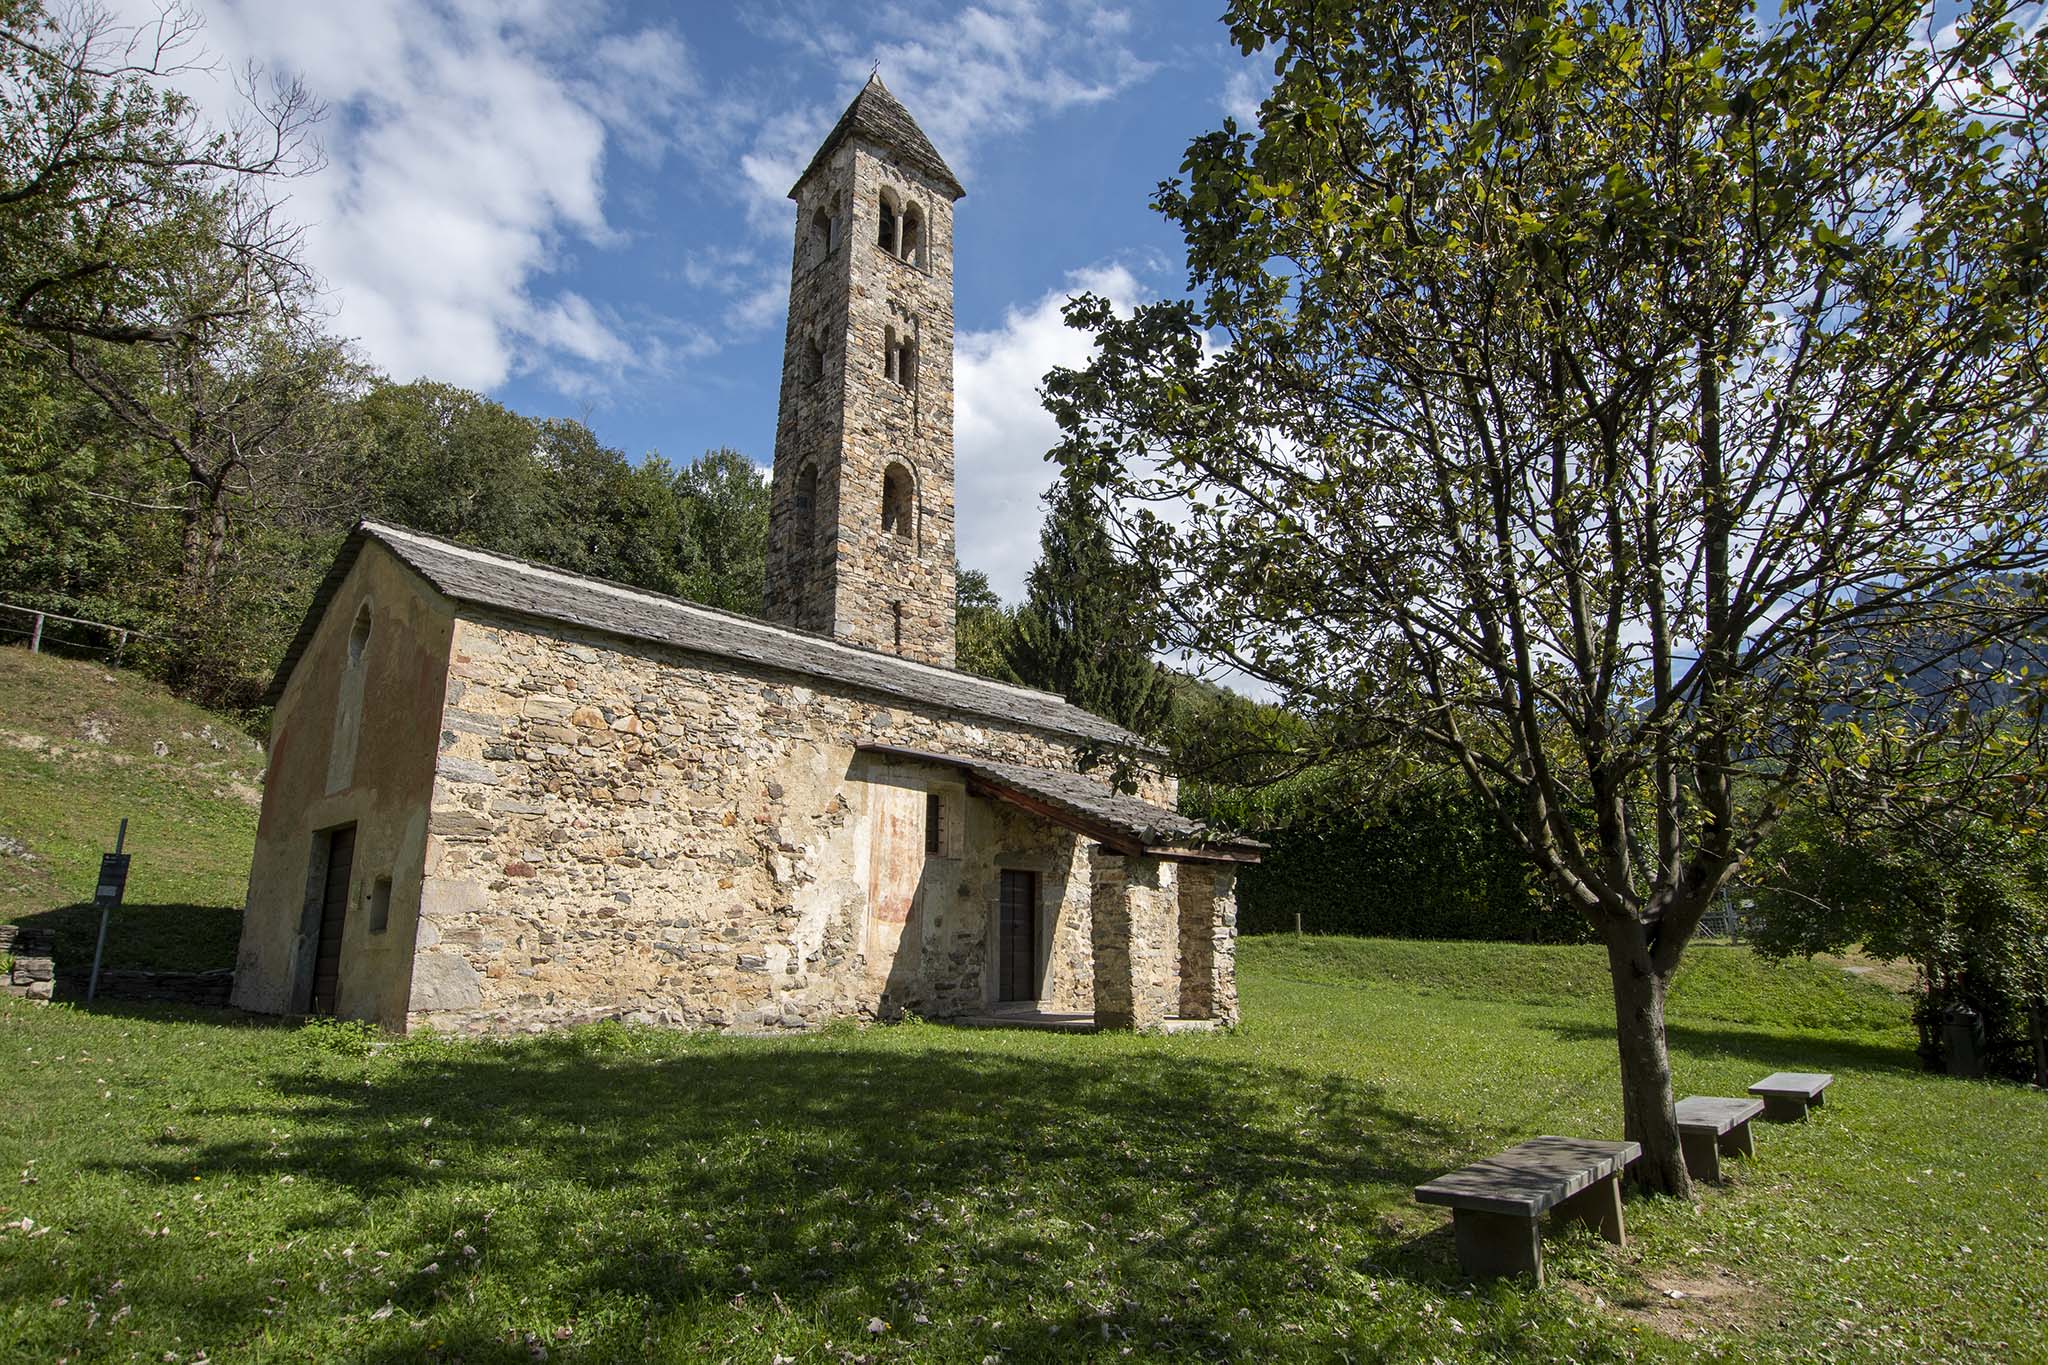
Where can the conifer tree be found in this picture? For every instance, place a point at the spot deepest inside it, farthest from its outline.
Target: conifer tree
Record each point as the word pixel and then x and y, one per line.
pixel 1089 620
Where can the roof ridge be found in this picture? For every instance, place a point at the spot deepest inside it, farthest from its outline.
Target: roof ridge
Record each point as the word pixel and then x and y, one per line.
pixel 382 529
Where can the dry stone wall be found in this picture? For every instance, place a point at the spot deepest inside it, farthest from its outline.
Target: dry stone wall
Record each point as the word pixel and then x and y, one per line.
pixel 623 831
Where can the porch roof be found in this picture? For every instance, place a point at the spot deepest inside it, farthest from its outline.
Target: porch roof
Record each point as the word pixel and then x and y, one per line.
pixel 1123 823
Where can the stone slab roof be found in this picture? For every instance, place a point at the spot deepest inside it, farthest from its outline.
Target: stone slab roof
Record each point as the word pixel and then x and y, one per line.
pixel 522 588
pixel 1125 823
pixel 877 116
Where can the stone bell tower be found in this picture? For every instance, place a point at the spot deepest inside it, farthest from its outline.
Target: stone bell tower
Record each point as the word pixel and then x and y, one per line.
pixel 861 523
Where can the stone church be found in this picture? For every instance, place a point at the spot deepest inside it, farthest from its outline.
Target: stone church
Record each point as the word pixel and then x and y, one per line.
pixel 504 797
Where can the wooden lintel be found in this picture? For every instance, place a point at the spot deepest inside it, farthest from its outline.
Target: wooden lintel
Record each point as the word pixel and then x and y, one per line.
pixel 1202 853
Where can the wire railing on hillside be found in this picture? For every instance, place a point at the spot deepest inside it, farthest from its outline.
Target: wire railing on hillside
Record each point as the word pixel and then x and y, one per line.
pixel 54 633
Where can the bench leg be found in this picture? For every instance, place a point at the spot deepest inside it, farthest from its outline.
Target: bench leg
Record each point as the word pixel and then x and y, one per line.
pixel 1784 1108
pixel 1496 1245
pixel 1702 1155
pixel 1737 1141
pixel 1599 1207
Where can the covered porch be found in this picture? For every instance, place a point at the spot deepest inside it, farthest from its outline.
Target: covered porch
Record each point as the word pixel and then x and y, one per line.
pixel 1162 901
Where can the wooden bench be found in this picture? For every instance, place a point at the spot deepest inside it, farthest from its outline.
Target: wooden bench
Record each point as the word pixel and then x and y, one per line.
pixel 1787 1095
pixel 1710 1128
pixel 1497 1205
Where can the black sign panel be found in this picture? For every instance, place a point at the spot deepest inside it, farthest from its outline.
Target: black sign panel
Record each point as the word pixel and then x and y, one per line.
pixel 113 879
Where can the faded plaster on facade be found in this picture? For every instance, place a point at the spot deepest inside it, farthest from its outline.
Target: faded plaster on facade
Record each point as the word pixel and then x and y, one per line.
pixel 619 830
pixel 350 744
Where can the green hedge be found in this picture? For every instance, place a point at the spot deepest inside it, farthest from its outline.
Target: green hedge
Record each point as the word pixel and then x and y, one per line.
pixel 1434 866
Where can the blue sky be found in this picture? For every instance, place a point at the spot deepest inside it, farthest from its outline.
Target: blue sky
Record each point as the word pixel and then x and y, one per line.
pixel 580 207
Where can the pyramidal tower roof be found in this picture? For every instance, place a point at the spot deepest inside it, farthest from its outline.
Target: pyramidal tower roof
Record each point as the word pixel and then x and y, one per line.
pixel 878 116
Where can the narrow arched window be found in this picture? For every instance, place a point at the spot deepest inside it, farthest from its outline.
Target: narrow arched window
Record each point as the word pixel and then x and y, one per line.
pixel 885 225
pixel 898 501
pixel 804 517
pixel 906 365
pixel 359 637
pixel 814 360
pixel 890 355
pixel 348 705
pixel 913 236
pixel 821 236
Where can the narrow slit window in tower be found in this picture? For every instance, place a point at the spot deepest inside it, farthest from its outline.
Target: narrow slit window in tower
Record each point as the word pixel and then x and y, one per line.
pixel 814 360
pixel 804 520
pixel 890 356
pixel 906 365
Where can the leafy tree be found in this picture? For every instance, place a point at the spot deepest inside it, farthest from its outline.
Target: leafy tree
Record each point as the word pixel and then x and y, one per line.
pixel 63 522
pixel 1086 627
pixel 110 184
pixel 241 408
pixel 1590 397
pixel 1962 897
pixel 449 462
pixel 982 627
pixel 724 556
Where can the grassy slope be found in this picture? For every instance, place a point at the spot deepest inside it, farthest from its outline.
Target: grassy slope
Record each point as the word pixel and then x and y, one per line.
pixel 77 754
pixel 926 1193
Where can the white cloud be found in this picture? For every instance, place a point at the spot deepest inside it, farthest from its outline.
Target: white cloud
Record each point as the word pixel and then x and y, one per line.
pixel 1001 431
pixel 467 145
pixel 1246 88
pixel 1243 92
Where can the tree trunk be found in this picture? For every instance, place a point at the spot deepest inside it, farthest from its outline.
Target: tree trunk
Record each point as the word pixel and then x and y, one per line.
pixel 1648 1116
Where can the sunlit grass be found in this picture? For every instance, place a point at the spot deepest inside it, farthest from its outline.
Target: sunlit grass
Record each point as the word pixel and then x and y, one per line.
pixel 925 1193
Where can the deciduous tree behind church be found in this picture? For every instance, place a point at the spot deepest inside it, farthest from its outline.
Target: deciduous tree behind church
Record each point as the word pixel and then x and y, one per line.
pixel 1617 401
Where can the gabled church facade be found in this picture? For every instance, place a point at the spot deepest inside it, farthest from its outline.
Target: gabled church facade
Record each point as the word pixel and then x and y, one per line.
pixel 504 797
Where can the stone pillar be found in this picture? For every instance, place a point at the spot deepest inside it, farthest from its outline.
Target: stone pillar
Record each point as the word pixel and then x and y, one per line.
pixel 1223 950
pixel 1134 914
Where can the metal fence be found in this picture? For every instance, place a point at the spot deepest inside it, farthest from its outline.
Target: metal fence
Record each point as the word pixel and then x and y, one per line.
pixel 1732 917
pixel 73 636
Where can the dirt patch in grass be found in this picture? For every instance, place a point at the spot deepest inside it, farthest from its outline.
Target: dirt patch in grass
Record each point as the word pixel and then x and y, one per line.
pixel 1893 976
pixel 1692 1305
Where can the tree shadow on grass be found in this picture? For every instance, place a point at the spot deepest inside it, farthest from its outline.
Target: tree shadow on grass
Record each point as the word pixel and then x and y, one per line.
pixel 1770 1051
pixel 1020 1203
pixel 167 937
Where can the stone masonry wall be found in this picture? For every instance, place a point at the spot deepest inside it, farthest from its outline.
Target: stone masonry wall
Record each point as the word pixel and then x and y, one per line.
pixel 622 831
pixel 1136 934
pixel 832 564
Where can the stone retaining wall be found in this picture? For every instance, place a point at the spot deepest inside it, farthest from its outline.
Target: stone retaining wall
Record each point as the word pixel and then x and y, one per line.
pixel 208 990
pixel 36 976
pixel 33 973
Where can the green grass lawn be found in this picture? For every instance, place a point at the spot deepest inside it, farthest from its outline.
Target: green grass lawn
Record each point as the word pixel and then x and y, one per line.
pixel 78 753
pixel 196 1187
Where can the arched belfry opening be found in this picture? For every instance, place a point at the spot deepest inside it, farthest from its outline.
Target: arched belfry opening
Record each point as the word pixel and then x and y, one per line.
pixel 887 224
pixel 821 236
pixel 912 234
pixel 899 502
pixel 863 516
